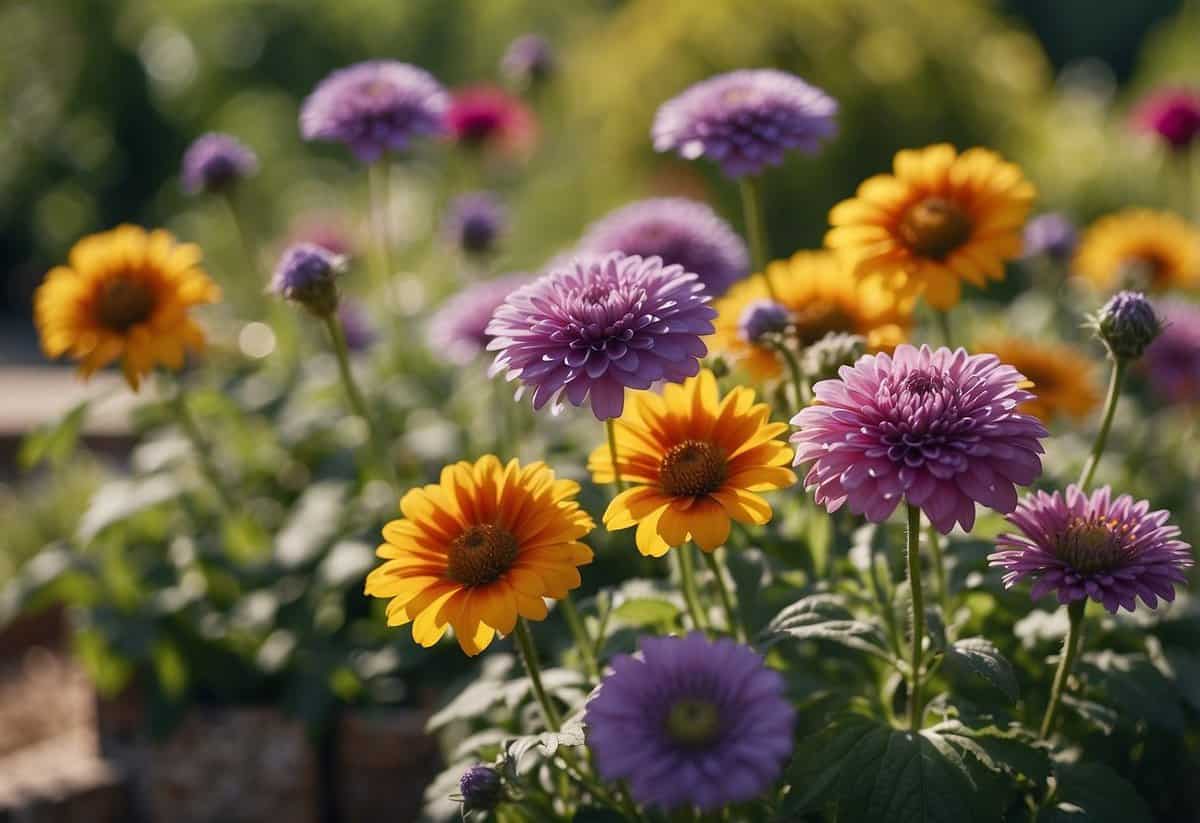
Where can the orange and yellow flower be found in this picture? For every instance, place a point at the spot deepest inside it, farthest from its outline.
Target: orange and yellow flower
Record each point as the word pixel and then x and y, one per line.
pixel 1140 248
pixel 939 219
pixel 125 294
pixel 479 549
pixel 822 296
pixel 1061 376
pixel 695 462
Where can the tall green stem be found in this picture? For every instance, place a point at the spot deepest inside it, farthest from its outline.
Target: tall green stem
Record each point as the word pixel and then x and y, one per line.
pixel 687 576
pixel 756 229
pixel 731 616
pixel 1065 662
pixel 610 429
pixel 202 450
pixel 358 404
pixel 579 632
pixel 529 656
pixel 377 182
pixel 1110 408
pixel 913 550
pixel 803 391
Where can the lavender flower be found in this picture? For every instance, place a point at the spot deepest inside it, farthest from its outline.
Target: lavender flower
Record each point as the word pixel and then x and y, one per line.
pixel 1172 362
pixel 1050 235
pixel 307 273
pixel 474 222
pixel 1173 115
pixel 936 428
pixel 1113 551
pixel 529 61
pixel 1127 324
pixel 481 788
pixel 216 161
pixel 763 317
pixel 603 324
pixel 680 231
pixel 458 330
pixel 374 107
pixel 745 120
pixel 690 722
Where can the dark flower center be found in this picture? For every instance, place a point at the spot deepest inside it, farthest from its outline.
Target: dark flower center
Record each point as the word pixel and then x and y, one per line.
pixel 1145 269
pixel 124 302
pixel 479 126
pixel 1092 544
pixel 481 555
pixel 691 468
pixel 693 722
pixel 921 383
pixel 815 319
pixel 934 227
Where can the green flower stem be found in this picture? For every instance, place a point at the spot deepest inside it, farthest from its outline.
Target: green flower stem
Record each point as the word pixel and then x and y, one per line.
pixel 943 323
pixel 939 570
pixel 337 337
pixel 756 229
pixel 913 550
pixel 377 184
pixel 529 657
pixel 1110 408
pixel 1065 661
pixel 731 616
pixel 687 576
pixel 803 392
pixel 202 450
pixel 610 429
pixel 580 633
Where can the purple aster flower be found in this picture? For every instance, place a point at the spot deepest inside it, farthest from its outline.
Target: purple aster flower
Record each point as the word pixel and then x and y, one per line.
pixel 528 61
pixel 1113 551
pixel 356 325
pixel 307 273
pixel 215 162
pixel 745 120
pixel 1172 362
pixel 474 222
pixel 1171 114
pixel 600 325
pixel 458 330
pixel 681 231
pixel 481 788
pixel 1127 324
pixel 1051 235
pixel 373 107
pixel 690 722
pixel 939 429
pixel 763 317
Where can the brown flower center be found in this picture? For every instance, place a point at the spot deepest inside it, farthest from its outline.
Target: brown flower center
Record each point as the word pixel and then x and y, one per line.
pixel 481 555
pixel 692 722
pixel 1145 269
pixel 124 302
pixel 934 227
pixel 1092 544
pixel 815 319
pixel 691 468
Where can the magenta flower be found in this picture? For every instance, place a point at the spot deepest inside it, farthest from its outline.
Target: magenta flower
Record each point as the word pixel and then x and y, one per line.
pixel 215 161
pixel 678 230
pixel 938 429
pixel 1172 362
pixel 690 722
pixel 1173 115
pixel 486 117
pixel 458 329
pixel 1113 551
pixel 589 330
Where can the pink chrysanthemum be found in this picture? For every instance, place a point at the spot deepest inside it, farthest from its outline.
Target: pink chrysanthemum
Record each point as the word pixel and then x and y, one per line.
pixel 939 429
pixel 1113 551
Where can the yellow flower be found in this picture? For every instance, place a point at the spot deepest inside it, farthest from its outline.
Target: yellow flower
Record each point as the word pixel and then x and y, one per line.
pixel 1062 376
pixel 1139 247
pixel 939 219
pixel 479 548
pixel 822 296
pixel 124 294
pixel 694 462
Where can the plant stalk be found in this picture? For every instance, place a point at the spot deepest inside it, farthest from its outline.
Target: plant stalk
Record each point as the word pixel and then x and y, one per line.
pixel 687 576
pixel 1110 407
pixel 529 657
pixel 731 616
pixel 1070 650
pixel 913 551
pixel 756 229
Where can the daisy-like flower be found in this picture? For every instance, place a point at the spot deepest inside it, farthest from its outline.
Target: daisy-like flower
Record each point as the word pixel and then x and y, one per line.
pixel 1140 248
pixel 1172 362
pixel 1080 546
pixel 588 331
pixel 822 296
pixel 124 293
pixel 480 548
pixel 939 429
pixel 1172 115
pixel 375 107
pixel 694 462
pixel 745 120
pixel 680 231
pixel 941 218
pixel 485 117
pixel 458 329
pixel 1062 377
pixel 215 161
pixel 690 722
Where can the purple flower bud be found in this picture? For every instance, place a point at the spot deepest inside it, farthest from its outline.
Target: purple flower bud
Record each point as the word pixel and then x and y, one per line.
pixel 763 317
pixel 1127 324
pixel 475 223
pixel 481 788
pixel 529 61
pixel 214 162
pixel 307 274
pixel 1052 235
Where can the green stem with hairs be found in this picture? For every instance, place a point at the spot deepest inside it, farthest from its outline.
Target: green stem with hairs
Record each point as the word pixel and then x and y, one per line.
pixel 912 537
pixel 580 633
pixel 529 656
pixel 358 404
pixel 610 429
pixel 756 229
pixel 731 616
pixel 1110 409
pixel 1070 650
pixel 687 577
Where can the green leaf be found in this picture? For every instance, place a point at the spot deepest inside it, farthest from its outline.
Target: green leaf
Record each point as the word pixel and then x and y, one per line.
pixel 1014 751
pixel 978 659
pixel 823 617
pixel 1095 793
pixel 597 814
pixel 647 612
pixel 1134 686
pixel 54 442
pixel 119 500
pixel 1101 717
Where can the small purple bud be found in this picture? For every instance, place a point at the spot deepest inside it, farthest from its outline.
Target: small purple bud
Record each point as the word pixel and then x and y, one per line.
pixel 307 274
pixel 763 317
pixel 1127 324
pixel 481 788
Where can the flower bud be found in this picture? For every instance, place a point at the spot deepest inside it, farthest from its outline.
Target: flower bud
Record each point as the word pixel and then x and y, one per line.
pixel 763 317
pixel 822 359
pixel 215 162
pixel 529 61
pixel 481 788
pixel 307 274
pixel 1127 324
pixel 475 223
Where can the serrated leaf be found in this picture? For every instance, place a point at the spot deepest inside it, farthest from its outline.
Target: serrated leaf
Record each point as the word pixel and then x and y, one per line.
pixel 1013 751
pixel 1134 686
pixel 823 617
pixel 978 659
pixel 1095 793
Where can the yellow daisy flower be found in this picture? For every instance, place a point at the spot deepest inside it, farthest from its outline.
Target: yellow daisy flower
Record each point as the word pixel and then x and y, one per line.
pixel 939 219
pixel 125 294
pixel 480 548
pixel 695 462
pixel 1139 247
pixel 822 296
pixel 1062 376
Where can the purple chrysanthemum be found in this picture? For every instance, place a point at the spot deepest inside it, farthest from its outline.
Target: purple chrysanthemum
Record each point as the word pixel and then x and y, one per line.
pixel 307 273
pixel 1171 114
pixel 592 329
pixel 1172 362
pixel 528 61
pixel 690 722
pixel 745 120
pixel 374 107
pixel 474 222
pixel 1113 551
pixel 216 161
pixel 1051 235
pixel 678 230
pixel 939 429
pixel 458 329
